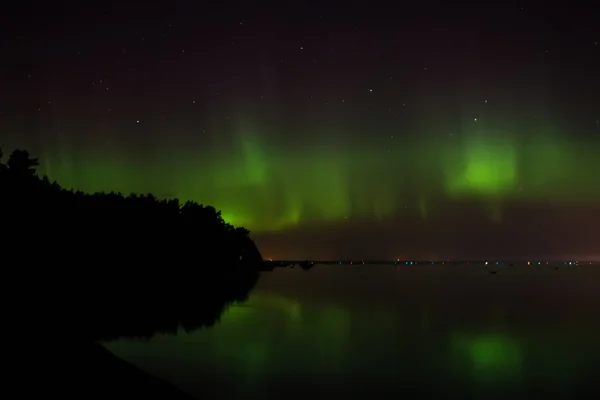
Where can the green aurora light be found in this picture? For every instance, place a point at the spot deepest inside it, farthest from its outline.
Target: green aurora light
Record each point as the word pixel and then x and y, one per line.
pixel 268 186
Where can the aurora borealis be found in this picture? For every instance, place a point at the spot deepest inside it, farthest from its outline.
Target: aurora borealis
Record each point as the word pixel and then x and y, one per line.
pixel 328 132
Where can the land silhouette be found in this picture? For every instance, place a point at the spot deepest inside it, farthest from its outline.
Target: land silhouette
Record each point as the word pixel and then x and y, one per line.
pixel 94 267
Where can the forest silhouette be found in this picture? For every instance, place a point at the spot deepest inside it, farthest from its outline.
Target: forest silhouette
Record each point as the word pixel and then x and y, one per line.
pixel 103 265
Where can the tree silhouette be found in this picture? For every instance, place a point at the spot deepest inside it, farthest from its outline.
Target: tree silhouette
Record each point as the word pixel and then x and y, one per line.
pixel 114 226
pixel 21 164
pixel 95 259
pixel 98 266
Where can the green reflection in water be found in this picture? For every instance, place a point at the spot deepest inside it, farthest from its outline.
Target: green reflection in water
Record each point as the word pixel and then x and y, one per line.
pixel 497 355
pixel 398 337
pixel 264 335
pixel 333 329
pixel 488 359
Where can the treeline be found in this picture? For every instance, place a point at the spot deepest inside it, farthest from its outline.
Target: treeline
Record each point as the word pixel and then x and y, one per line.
pixel 114 264
pixel 89 227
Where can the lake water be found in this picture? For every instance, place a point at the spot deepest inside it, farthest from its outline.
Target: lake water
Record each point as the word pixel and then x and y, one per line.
pixel 386 331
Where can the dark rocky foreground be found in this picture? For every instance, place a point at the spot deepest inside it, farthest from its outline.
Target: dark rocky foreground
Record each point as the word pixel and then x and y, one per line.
pixel 54 324
pixel 86 371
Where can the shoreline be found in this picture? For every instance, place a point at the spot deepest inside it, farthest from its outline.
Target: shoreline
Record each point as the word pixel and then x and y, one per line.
pixel 89 370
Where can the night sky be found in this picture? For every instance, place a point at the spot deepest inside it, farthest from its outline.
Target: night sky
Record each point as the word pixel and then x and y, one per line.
pixel 348 130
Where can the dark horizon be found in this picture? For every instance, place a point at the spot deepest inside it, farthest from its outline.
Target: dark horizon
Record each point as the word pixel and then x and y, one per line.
pixel 535 261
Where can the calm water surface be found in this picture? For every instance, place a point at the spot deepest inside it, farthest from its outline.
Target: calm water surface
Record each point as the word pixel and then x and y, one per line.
pixel 383 331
